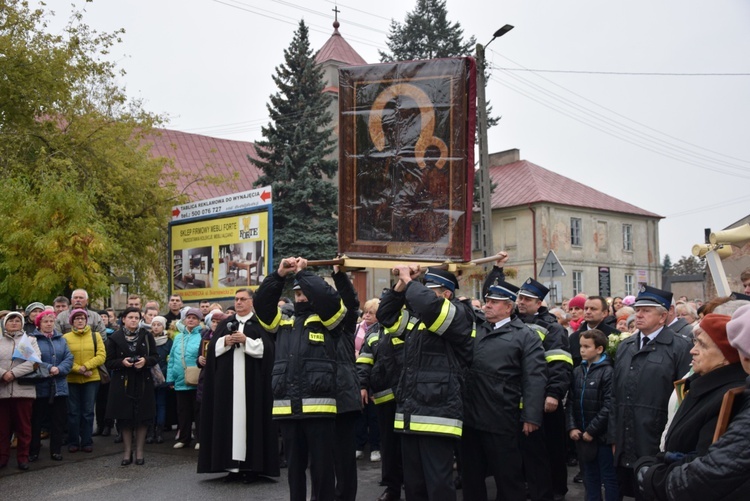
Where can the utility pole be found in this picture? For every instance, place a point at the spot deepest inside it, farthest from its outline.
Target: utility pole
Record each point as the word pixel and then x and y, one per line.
pixel 485 190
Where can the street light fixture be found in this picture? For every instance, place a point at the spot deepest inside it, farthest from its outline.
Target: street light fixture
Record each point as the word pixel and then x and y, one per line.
pixel 502 31
pixel 485 195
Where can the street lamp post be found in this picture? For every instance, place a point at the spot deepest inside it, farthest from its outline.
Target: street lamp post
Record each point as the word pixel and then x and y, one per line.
pixel 485 194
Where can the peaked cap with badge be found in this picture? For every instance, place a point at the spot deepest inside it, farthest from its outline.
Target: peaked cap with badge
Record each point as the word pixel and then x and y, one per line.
pixel 435 277
pixel 651 296
pixel 532 288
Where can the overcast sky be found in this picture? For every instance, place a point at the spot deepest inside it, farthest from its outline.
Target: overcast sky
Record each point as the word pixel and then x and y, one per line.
pixel 672 144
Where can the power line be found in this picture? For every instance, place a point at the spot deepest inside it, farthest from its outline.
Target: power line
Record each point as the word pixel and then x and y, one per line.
pixel 605 130
pixel 623 116
pixel 719 205
pixel 628 130
pixel 288 20
pixel 328 16
pixel 628 73
pixel 389 19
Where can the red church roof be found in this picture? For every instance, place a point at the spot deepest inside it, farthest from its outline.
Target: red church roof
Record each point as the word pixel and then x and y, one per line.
pixel 338 49
pixel 199 156
pixel 521 183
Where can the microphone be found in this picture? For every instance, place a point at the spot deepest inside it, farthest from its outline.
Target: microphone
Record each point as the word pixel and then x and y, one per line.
pixel 230 328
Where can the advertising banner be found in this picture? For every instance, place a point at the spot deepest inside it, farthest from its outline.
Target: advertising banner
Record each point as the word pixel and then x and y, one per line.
pixel 211 258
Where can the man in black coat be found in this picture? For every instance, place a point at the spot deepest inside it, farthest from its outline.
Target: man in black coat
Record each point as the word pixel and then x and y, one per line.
pixel 544 450
pixel 508 368
pixel 595 311
pixel 646 366
pixel 549 444
pixel 237 434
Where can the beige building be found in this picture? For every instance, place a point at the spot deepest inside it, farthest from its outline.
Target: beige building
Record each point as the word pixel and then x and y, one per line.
pixel 535 210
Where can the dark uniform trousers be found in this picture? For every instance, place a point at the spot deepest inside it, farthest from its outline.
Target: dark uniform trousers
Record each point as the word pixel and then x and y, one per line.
pixel 390 448
pixel 428 467
pixel 536 465
pixel 493 454
pixel 310 440
pixel 345 460
pixel 556 439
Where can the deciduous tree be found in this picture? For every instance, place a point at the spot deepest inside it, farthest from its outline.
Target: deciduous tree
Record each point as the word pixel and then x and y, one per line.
pixel 688 265
pixel 82 199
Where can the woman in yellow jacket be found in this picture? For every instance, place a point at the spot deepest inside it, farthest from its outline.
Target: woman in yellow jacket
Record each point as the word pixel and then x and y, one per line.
pixel 89 353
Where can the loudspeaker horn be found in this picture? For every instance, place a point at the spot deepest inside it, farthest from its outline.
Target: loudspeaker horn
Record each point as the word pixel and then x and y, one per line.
pixel 700 250
pixel 736 236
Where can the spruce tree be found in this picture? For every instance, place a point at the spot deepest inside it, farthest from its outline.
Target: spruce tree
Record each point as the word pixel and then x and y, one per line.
pixel 666 267
pixel 293 155
pixel 427 34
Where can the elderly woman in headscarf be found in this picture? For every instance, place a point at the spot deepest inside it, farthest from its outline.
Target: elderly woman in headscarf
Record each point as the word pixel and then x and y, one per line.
pixel 52 393
pixel 184 354
pixel 16 400
pixel 32 311
pixel 163 347
pixel 717 369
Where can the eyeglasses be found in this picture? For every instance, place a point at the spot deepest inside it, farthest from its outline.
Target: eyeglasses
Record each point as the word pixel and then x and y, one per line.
pixel 241 299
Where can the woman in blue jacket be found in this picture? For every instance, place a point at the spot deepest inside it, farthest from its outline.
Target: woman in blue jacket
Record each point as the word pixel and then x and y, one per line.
pixel 184 354
pixel 51 394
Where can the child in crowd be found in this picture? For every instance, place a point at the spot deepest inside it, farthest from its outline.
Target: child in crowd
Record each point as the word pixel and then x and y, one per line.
pixel 588 411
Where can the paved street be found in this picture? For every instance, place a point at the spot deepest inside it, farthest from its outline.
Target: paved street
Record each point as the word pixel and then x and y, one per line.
pixel 169 474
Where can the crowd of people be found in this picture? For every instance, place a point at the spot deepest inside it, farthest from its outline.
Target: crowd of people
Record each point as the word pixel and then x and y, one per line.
pixel 646 394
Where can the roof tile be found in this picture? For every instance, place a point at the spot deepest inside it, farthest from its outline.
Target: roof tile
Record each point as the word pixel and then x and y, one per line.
pixel 197 156
pixel 522 183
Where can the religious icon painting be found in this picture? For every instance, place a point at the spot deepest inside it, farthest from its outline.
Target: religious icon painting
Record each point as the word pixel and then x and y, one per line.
pixel 406 169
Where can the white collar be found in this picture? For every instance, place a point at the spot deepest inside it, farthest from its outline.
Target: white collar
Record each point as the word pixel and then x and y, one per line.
pixel 502 322
pixel 245 318
pixel 653 335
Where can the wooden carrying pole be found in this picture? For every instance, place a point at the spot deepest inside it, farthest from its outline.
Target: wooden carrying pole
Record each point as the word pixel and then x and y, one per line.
pixel 390 263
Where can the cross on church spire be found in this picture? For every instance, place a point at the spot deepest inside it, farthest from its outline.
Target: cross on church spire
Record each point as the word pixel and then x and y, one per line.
pixel 336 17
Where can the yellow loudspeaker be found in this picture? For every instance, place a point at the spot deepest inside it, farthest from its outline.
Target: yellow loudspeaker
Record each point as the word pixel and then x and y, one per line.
pixel 700 250
pixel 736 236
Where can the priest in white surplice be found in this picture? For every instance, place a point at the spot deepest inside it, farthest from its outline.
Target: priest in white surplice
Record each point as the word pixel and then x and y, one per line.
pixel 237 434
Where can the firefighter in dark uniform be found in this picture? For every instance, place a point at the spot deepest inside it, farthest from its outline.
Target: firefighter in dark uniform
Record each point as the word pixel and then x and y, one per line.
pixel 646 366
pixel 508 368
pixel 379 367
pixel 304 373
pixel 348 407
pixel 437 332
pixel 544 451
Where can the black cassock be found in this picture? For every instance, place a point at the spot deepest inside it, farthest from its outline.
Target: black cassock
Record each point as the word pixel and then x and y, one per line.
pixel 216 437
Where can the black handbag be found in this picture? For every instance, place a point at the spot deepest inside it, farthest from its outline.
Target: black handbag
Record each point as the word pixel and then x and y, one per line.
pixel 40 373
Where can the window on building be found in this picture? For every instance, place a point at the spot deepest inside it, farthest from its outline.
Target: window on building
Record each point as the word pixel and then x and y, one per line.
pixel 477 290
pixel 577 282
pixel 575 231
pixel 627 237
pixel 476 236
pixel 601 236
pixel 629 285
pixel 510 235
